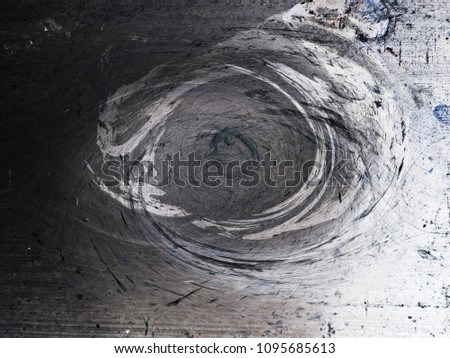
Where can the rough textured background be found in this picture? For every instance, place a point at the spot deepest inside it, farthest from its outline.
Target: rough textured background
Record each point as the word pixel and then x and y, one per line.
pixel 75 262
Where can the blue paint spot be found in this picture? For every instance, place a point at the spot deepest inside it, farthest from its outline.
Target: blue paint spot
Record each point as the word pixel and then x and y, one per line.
pixel 430 171
pixel 442 113
pixel 123 259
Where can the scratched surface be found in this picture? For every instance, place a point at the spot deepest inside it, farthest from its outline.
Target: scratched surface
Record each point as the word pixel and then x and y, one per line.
pixel 369 259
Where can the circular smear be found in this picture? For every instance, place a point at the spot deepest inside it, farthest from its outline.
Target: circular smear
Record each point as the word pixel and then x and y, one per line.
pixel 262 153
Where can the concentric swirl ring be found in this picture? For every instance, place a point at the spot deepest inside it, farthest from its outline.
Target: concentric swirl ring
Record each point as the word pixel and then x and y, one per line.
pixel 309 98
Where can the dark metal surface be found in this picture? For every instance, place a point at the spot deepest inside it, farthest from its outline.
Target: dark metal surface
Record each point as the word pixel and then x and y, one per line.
pixel 77 261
